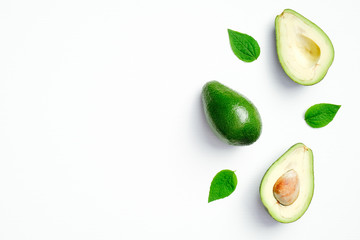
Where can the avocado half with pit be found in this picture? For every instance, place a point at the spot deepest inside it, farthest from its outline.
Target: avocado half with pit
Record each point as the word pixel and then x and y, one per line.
pixel 287 187
pixel 304 50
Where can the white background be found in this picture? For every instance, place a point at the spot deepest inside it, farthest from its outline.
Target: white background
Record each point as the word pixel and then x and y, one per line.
pixel 103 136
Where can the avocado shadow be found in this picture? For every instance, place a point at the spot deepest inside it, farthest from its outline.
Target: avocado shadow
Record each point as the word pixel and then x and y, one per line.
pixel 256 207
pixel 276 69
pixel 203 131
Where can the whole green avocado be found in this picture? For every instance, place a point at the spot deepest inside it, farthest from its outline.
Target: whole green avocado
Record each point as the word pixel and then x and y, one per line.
pixel 232 117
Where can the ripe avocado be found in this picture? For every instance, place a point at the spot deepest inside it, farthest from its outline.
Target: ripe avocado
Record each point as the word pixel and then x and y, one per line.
pixel 232 117
pixel 287 187
pixel 305 51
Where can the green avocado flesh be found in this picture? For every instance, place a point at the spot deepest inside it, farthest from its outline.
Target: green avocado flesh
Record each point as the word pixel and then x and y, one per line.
pixel 287 187
pixel 305 51
pixel 231 116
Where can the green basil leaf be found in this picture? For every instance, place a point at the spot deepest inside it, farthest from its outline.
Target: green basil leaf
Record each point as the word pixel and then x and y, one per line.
pixel 320 115
pixel 245 47
pixel 223 184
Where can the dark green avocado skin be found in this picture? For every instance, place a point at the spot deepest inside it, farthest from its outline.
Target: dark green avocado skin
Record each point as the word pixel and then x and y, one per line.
pixel 232 117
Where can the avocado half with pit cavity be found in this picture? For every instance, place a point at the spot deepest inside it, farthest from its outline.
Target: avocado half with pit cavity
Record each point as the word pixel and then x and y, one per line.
pixel 305 51
pixel 287 187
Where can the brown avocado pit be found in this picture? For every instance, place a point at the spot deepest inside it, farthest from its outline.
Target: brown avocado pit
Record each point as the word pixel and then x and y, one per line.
pixel 286 189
